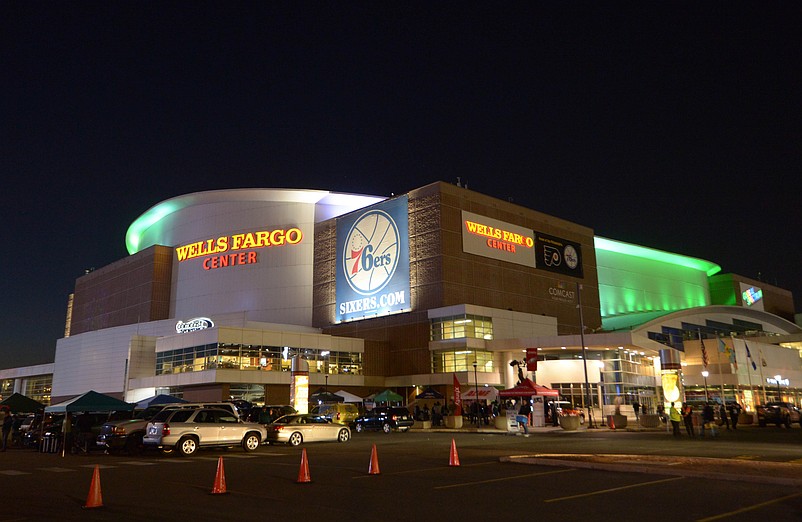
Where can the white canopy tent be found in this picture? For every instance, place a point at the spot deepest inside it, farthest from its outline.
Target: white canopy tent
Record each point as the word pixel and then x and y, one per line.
pixel 349 397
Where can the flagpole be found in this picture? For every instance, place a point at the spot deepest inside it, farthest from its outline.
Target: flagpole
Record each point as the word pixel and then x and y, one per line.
pixel 735 363
pixel 748 372
pixel 720 374
pixel 762 379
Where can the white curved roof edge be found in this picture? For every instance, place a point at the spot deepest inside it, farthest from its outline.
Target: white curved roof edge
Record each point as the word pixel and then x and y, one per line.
pixel 154 214
pixel 747 313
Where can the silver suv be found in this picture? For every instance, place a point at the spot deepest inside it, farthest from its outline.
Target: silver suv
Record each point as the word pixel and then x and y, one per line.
pixel 187 429
pixel 128 433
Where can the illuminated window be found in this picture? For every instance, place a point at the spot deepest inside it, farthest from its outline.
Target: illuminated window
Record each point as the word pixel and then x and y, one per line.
pixel 228 356
pixel 461 361
pixel 461 327
pixel 38 388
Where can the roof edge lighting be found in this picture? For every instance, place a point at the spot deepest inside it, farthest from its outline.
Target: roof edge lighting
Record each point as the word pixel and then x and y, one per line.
pixel 629 249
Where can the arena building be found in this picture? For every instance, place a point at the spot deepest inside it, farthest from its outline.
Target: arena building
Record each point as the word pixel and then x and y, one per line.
pixel 223 291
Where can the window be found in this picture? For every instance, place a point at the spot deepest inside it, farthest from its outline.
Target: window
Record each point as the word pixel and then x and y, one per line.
pixel 460 327
pixel 462 360
pixel 255 358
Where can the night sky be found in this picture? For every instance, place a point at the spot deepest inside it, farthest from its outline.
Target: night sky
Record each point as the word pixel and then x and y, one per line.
pixel 678 129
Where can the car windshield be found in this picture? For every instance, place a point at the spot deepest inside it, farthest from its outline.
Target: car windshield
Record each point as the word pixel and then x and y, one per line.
pixel 287 419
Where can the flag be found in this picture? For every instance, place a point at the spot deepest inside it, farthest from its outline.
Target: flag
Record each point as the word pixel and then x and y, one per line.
pixel 705 360
pixel 723 348
pixel 531 359
pixel 457 396
pixel 749 356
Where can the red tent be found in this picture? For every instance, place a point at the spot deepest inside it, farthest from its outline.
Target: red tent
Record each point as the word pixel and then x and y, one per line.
pixel 528 388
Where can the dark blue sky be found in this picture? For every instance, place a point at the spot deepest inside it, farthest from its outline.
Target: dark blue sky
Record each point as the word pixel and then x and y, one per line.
pixel 678 129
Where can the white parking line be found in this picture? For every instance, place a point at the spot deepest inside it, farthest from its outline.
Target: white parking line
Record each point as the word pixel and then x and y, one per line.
pixel 57 470
pixel 13 472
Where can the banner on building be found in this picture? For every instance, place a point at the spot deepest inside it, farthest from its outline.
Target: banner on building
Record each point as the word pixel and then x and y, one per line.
pixel 372 277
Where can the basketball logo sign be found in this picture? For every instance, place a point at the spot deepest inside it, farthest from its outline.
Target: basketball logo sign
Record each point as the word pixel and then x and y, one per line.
pixel 371 252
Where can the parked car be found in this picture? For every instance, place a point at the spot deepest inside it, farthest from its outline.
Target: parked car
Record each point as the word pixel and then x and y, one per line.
pixel 339 413
pixel 779 413
pixel 299 428
pixel 186 429
pixel 385 419
pixel 127 433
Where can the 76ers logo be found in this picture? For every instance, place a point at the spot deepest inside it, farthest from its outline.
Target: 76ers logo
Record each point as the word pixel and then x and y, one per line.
pixel 370 254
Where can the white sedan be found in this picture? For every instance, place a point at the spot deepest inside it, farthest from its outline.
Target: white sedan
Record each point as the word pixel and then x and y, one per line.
pixel 299 428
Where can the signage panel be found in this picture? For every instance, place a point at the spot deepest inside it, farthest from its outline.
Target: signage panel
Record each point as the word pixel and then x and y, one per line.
pixel 558 255
pixel 372 276
pixel 487 237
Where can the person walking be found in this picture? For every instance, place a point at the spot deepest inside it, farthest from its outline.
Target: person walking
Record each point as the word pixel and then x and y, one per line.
pixel 675 418
pixel 735 411
pixel 636 409
pixel 687 417
pixel 722 412
pixel 708 420
pixel 8 423
pixel 523 416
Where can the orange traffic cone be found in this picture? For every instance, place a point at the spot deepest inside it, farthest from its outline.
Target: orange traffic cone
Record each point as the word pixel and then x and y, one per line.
pixel 373 469
pixel 453 459
pixel 612 422
pixel 219 479
pixel 303 473
pixel 94 499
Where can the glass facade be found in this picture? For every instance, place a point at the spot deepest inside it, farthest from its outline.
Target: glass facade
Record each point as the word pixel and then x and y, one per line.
pixel 256 358
pixel 462 360
pixel 461 327
pixel 39 388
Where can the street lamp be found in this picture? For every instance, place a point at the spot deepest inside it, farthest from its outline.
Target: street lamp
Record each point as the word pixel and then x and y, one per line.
pixel 779 393
pixel 327 383
pixel 705 373
pixel 476 380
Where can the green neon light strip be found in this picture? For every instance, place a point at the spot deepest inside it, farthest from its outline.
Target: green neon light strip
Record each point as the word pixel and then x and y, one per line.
pixel 629 249
pixel 148 219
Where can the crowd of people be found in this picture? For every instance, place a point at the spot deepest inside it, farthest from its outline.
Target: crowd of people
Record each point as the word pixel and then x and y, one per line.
pixel 712 416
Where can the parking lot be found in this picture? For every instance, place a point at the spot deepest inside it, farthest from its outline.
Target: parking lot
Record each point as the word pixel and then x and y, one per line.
pixel 415 480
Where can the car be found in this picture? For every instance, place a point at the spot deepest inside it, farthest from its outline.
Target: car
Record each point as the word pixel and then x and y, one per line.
pixel 185 430
pixel 304 427
pixel 128 433
pixel 339 413
pixel 779 413
pixel 386 419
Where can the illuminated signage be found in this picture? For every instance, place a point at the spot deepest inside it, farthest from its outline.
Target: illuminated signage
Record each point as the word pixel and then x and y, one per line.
pixel 784 382
pixel 561 292
pixel 193 325
pixel 752 295
pixel 487 237
pixel 373 261
pixel 237 249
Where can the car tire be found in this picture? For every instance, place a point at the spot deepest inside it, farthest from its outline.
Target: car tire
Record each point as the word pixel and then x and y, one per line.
pixel 761 423
pixel 386 428
pixel 343 435
pixel 296 439
pixel 251 442
pixel 359 428
pixel 187 446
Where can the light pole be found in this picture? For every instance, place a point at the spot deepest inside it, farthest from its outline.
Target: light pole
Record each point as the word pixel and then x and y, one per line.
pixel 779 393
pixel 476 381
pixel 327 383
pixel 705 373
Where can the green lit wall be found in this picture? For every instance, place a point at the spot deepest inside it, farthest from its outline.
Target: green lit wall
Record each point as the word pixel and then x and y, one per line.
pixel 638 284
